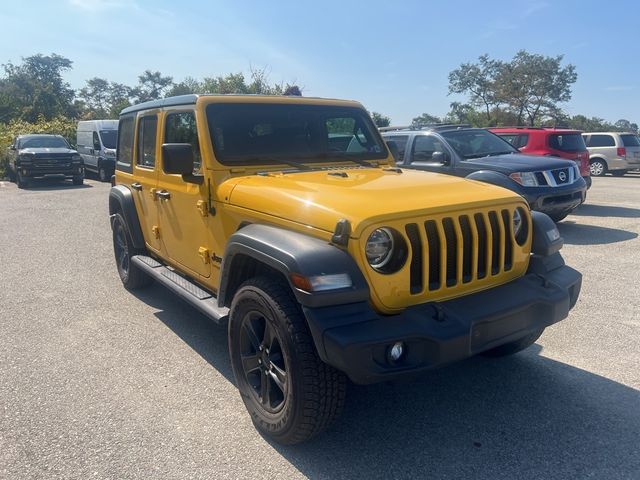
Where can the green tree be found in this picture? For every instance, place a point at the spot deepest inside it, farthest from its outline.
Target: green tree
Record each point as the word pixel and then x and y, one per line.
pixel 532 85
pixel 380 120
pixel 478 80
pixel 96 97
pixel 151 86
pixel 425 119
pixel 36 88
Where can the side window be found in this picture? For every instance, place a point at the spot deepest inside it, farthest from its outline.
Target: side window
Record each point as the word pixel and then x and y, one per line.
pixel 125 144
pixel 96 141
pixel 424 146
pixel 601 141
pixel 522 140
pixel 401 142
pixel 509 137
pixel 181 128
pixel 147 128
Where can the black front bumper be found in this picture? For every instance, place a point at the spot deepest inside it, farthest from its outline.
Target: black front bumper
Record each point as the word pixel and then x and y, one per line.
pixel 556 200
pixel 41 171
pixel 355 339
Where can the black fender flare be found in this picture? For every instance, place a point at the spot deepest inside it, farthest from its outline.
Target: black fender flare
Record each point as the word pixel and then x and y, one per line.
pixel 121 199
pixel 494 178
pixel 290 252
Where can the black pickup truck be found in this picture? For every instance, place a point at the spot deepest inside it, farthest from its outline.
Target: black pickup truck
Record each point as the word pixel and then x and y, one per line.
pixel 44 156
pixel 550 185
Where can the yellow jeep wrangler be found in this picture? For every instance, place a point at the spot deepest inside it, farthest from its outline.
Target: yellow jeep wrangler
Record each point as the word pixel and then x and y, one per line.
pixel 286 218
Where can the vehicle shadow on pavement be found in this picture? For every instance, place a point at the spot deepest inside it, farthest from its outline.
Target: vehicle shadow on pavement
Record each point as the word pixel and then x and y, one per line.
pixel 580 234
pixel 199 332
pixel 589 210
pixel 44 185
pixel 521 417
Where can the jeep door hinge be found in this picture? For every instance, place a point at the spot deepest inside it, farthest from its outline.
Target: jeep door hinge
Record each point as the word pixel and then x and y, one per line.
pixel 203 208
pixel 204 254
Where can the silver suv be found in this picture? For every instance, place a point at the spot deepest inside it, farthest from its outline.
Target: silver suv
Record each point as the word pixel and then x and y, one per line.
pixel 613 152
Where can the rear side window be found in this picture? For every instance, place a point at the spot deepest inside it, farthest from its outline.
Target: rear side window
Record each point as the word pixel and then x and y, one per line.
pixel 147 128
pixel 516 140
pixel 125 144
pixel 601 141
pixel 630 140
pixel 401 142
pixel 181 128
pixel 567 142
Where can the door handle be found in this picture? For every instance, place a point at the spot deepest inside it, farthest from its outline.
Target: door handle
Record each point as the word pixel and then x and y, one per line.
pixel 163 195
pixel 136 186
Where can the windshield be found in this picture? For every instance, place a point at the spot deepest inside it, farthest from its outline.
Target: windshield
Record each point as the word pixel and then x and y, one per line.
pixel 477 143
pixel 260 133
pixel 630 140
pixel 567 142
pixel 109 138
pixel 44 142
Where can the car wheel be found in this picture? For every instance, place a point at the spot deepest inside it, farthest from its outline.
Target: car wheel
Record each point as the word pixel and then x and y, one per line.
pixel 514 347
pixel 11 174
pixel 131 276
pixel 21 181
pixel 618 173
pixel 558 217
pixel 598 167
pixel 103 176
pixel 78 179
pixel 289 392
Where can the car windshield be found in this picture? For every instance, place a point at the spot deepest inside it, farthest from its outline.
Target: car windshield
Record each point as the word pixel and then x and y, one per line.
pixel 109 138
pixel 263 134
pixel 630 140
pixel 44 142
pixel 477 143
pixel 567 142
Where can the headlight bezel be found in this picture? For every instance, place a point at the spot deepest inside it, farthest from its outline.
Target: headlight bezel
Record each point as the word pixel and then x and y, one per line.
pixel 395 257
pixel 521 233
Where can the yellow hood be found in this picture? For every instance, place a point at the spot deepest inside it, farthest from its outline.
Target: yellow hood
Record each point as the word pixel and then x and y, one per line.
pixel 361 195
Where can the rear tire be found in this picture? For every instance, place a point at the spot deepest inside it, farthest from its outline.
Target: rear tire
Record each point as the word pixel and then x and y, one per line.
pixel 514 347
pixel 618 173
pixel 131 276
pixel 598 167
pixel 289 392
pixel 103 176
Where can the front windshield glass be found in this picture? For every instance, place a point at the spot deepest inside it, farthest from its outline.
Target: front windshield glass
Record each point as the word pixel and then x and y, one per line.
pixel 477 143
pixel 44 142
pixel 109 138
pixel 262 133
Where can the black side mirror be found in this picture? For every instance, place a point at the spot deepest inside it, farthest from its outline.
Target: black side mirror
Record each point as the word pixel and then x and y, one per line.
pixel 441 157
pixel 178 158
pixel 393 148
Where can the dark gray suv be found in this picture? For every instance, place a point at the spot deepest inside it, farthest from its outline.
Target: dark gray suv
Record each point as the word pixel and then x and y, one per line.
pixel 549 184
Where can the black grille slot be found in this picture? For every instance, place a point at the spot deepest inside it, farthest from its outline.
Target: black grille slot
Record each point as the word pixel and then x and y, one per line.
pixel 415 268
pixel 467 248
pixel 495 247
pixel 541 179
pixel 482 245
pixel 452 251
pixel 434 254
pixel 508 241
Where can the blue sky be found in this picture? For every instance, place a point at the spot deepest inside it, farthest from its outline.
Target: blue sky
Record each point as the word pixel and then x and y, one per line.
pixel 393 56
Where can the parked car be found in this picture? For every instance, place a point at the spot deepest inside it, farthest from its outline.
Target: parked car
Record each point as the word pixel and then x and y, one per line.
pixel 612 152
pixel 558 142
pixel 96 142
pixel 287 218
pixel 550 185
pixel 43 156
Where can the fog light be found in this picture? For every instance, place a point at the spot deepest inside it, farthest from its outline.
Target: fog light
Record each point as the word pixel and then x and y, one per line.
pixel 396 352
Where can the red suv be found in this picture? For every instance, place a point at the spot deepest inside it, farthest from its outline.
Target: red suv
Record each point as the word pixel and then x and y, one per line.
pixel 558 142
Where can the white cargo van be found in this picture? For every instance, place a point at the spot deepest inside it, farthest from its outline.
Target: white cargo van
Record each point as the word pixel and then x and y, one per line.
pixel 96 143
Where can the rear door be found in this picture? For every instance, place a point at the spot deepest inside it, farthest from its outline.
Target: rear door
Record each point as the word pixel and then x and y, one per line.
pixel 632 147
pixel 183 219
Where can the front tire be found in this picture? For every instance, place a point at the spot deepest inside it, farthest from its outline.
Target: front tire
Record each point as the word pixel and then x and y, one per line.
pixel 559 216
pixel 514 347
pixel 598 167
pixel 131 276
pixel 289 392
pixel 618 173
pixel 21 181
pixel 103 176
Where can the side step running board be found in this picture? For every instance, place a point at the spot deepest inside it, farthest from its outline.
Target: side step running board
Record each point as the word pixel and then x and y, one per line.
pixel 188 291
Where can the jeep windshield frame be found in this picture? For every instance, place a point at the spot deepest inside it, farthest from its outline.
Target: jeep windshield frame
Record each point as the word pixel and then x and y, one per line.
pixel 264 134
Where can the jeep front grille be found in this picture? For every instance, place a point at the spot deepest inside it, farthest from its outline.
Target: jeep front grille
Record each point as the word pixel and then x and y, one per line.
pixel 457 250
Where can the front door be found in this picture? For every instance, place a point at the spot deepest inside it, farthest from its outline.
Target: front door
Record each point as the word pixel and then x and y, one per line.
pixel 182 205
pixel 421 155
pixel 145 173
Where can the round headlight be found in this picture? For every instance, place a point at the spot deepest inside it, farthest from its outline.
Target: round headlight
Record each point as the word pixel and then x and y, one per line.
pixel 379 248
pixel 520 226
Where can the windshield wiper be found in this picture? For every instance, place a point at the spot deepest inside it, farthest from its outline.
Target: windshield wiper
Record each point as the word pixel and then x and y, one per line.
pixel 494 154
pixel 298 165
pixel 344 156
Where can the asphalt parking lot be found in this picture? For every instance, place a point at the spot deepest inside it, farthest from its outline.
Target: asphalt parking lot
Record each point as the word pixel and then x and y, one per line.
pixel 97 382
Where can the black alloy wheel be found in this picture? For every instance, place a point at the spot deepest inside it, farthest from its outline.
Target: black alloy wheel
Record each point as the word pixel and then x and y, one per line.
pixel 130 275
